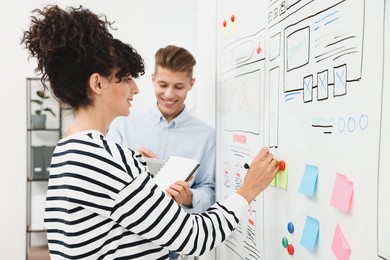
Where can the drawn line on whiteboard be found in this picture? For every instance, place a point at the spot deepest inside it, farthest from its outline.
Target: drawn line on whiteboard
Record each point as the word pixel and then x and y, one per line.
pixel 250 248
pixel 292 93
pixel 326 16
pixel 310 16
pixel 242 74
pixel 331 21
pixel 238 148
pixel 327 132
pixel 341 40
pixel 325 53
pixel 242 65
pixel 341 29
pixel 322 126
pixel 290 96
pixel 238 154
pixel 240 130
pixel 335 58
pixel 339 52
pixel 239 151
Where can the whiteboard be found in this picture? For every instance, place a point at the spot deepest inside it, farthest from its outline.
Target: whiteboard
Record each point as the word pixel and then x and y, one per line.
pixel 384 173
pixel 305 78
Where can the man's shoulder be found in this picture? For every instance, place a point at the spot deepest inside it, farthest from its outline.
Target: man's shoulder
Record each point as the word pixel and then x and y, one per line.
pixel 195 120
pixel 199 125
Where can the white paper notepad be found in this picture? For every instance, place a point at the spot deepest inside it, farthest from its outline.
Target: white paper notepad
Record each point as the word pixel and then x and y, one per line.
pixel 154 164
pixel 176 168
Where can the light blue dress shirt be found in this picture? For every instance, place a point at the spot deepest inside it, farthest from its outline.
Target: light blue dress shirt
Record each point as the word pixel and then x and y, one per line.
pixel 184 136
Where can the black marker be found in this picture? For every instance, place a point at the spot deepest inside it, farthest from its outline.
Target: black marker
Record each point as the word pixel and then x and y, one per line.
pixel 246 165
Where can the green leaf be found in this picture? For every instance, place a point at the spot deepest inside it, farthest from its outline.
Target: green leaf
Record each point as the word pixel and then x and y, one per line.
pixel 49 110
pixel 37 101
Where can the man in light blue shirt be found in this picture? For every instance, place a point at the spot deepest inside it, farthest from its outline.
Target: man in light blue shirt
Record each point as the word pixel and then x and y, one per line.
pixel 167 128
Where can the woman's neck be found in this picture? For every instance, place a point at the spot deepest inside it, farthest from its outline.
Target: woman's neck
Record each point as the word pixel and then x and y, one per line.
pixel 87 119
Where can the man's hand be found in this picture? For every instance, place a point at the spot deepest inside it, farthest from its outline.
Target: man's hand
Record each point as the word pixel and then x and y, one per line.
pixel 147 153
pixel 181 193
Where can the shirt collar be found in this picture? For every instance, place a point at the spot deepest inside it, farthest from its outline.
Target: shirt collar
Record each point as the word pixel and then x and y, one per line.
pixel 177 121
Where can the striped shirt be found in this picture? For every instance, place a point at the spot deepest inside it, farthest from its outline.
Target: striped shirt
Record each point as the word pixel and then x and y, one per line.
pixel 103 204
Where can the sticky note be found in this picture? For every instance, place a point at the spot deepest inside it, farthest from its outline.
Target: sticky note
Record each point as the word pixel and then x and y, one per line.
pixel 273 182
pixel 308 184
pixel 310 233
pixel 340 245
pixel 342 193
pixel 282 178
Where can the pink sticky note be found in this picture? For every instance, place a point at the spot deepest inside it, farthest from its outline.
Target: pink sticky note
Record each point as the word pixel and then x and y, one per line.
pixel 342 193
pixel 340 245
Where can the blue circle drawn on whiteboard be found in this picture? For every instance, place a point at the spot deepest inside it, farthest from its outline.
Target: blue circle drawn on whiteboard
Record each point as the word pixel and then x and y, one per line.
pixel 363 121
pixel 341 124
pixel 290 227
pixel 351 124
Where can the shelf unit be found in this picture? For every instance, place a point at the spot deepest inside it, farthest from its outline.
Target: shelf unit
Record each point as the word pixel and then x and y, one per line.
pixel 41 141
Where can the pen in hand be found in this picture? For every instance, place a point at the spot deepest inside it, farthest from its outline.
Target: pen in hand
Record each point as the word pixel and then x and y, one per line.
pixel 246 166
pixel 282 165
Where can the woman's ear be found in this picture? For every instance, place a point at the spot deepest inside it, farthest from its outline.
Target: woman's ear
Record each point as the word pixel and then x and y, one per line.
pixel 95 83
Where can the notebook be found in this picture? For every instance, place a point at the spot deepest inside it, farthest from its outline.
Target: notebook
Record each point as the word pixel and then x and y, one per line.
pixel 175 168
pixel 154 164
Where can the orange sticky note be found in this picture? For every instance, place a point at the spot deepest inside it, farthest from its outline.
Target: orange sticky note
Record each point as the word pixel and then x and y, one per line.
pixel 340 245
pixel 342 193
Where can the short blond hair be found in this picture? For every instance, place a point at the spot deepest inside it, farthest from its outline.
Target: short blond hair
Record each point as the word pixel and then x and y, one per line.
pixel 175 58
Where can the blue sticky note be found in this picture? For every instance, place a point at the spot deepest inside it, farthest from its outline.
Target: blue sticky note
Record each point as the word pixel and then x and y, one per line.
pixel 310 233
pixel 309 180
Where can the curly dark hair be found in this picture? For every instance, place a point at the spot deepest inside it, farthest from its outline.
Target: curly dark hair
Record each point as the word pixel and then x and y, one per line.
pixel 70 45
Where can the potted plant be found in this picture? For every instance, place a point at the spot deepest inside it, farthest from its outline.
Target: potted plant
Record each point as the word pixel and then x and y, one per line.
pixel 38 119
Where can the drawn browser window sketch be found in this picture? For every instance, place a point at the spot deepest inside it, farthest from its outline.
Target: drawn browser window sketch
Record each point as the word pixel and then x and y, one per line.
pixel 305 78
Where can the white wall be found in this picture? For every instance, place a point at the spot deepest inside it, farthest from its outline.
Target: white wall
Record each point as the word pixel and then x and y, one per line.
pixel 147 25
pixel 205 70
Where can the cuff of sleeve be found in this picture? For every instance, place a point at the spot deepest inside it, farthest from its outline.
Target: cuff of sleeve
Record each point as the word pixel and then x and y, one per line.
pixel 238 203
pixel 195 198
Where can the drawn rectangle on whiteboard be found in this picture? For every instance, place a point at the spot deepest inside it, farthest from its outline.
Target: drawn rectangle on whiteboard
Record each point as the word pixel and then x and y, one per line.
pixel 308 88
pixel 340 80
pixel 322 86
pixel 273 106
pixel 298 48
pixel 274 47
pixel 324 28
pixel 241 106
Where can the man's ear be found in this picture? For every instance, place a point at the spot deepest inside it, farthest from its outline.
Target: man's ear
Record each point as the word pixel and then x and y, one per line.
pixel 153 76
pixel 95 83
pixel 192 82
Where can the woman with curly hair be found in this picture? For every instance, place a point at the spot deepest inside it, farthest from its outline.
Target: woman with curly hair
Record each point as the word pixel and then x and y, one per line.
pixel 102 203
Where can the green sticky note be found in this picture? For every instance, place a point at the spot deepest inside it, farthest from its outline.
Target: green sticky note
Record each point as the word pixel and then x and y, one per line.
pixel 273 182
pixel 282 178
